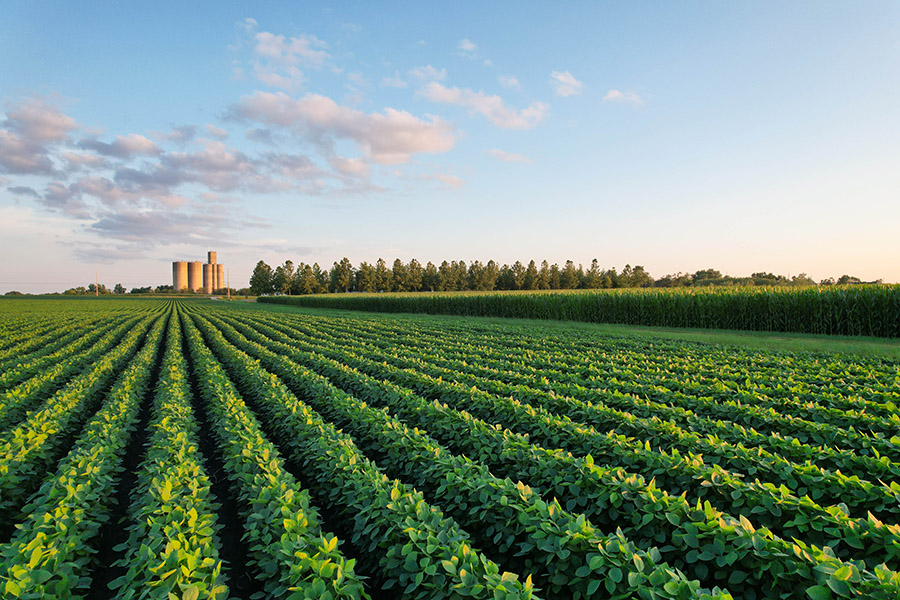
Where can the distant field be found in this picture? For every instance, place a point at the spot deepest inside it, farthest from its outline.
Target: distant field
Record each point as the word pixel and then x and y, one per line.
pixel 868 310
pixel 217 450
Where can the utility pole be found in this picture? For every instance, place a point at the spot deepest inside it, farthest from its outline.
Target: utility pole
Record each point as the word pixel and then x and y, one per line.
pixel 97 283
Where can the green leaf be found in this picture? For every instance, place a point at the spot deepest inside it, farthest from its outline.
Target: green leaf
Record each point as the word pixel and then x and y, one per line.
pixel 819 592
pixel 191 592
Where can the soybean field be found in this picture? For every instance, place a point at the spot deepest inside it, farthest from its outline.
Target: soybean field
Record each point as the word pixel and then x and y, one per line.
pixel 182 449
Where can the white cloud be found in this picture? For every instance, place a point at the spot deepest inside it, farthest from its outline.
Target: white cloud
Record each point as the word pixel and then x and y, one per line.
pixel 77 160
pixel 508 156
pixel 280 50
pixel 38 121
pixel 278 60
pixel 179 135
pixel 357 80
pixel 395 81
pixel 491 107
pixel 123 146
pixel 391 137
pixel 428 73
pixel 216 132
pixel 565 83
pixel 450 181
pixel 19 155
pixel 28 132
pixel 467 46
pixel 508 81
pixel 623 97
pixel 352 167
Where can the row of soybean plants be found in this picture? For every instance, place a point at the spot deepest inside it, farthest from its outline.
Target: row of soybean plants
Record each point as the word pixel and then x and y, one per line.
pixel 800 382
pixel 32 445
pixel 698 370
pixel 801 515
pixel 711 561
pixel 50 553
pixel 871 310
pixel 771 458
pixel 411 545
pixel 172 546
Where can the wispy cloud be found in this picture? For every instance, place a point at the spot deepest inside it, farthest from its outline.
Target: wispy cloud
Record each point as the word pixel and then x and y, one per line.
pixel 279 61
pixel 623 97
pixel 508 81
pixel 216 132
pixel 395 81
pixel 565 83
pixel 29 132
pixel 508 156
pixel 428 73
pixel 123 146
pixel 391 137
pixel 467 46
pixel 491 107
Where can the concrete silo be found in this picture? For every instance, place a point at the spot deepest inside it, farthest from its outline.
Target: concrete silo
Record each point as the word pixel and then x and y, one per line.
pixel 211 257
pixel 220 276
pixel 180 275
pixel 208 272
pixel 195 276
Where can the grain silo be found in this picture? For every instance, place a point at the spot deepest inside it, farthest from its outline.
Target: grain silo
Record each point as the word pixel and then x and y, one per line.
pixel 195 276
pixel 211 257
pixel 220 276
pixel 180 275
pixel 208 272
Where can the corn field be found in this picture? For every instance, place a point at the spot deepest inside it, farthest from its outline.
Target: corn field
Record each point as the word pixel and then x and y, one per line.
pixel 866 310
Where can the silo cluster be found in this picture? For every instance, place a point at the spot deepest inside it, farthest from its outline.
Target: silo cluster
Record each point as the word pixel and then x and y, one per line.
pixel 195 276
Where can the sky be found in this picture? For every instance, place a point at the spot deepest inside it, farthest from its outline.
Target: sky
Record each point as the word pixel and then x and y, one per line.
pixel 743 137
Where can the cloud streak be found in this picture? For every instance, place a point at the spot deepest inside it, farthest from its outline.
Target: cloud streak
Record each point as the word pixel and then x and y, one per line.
pixel 623 97
pixel 508 156
pixel 491 107
pixel 565 84
pixel 387 138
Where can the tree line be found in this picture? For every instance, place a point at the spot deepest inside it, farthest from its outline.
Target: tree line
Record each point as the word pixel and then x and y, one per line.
pixel 412 276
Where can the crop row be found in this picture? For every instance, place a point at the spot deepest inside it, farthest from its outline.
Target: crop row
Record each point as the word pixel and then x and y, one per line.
pixel 763 503
pixel 507 519
pixel 50 554
pixel 718 547
pixel 723 443
pixel 855 310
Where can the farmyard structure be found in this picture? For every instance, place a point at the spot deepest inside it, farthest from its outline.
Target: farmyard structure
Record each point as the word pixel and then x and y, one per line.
pixel 195 276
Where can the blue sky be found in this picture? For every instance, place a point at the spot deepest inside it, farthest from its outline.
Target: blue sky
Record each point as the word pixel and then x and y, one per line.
pixel 678 136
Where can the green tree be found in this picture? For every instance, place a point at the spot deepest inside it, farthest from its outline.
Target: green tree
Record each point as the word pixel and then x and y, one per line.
pixel 518 272
pixel 444 277
pixel 400 276
pixel 506 280
pixel 119 289
pixel 416 273
pixel 430 277
pixel 848 279
pixel 341 276
pixel 383 276
pixel 568 277
pixel 531 276
pixel 593 277
pixel 554 276
pixel 366 280
pixel 304 280
pixel 543 277
pixel 321 277
pixel 261 279
pixel 283 278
